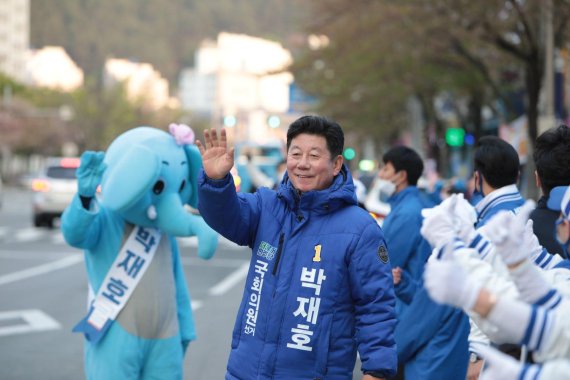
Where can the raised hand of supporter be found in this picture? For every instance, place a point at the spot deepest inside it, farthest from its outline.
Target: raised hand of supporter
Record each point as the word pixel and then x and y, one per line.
pixel 507 230
pixel 217 159
pixel 90 173
pixel 498 366
pixel 533 247
pixel 447 283
pixel 465 218
pixel 437 226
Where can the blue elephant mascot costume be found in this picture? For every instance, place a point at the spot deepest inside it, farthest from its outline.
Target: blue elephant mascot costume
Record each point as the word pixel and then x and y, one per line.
pixel 139 321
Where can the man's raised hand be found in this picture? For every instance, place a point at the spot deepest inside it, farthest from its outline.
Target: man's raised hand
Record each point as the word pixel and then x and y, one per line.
pixel 217 159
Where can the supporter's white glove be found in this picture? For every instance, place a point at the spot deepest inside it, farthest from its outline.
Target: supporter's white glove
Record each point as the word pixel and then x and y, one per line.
pixel 506 231
pixel 530 241
pixel 465 218
pixel 447 283
pixel 498 366
pixel 437 226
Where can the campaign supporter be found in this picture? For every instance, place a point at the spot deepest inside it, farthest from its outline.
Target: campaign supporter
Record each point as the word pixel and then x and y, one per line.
pixel 399 176
pixel 552 160
pixel 496 172
pixel 431 338
pixel 560 201
pixel 319 286
pixel 538 319
pixel 453 218
pixel 427 357
pixel 544 331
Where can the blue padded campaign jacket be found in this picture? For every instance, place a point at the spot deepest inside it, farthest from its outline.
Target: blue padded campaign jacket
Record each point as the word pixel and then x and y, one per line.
pixel 319 284
pixel 408 249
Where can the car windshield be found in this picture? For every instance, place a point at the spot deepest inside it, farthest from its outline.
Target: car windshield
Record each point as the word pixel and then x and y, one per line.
pixel 60 172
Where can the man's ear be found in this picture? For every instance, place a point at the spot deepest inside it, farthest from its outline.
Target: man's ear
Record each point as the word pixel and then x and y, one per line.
pixel 404 177
pixel 537 179
pixel 338 161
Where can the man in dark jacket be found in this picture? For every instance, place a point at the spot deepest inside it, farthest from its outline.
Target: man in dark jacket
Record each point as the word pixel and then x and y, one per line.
pixel 319 286
pixel 552 160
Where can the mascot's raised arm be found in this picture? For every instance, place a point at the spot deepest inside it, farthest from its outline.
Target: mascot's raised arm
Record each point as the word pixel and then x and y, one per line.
pixel 139 321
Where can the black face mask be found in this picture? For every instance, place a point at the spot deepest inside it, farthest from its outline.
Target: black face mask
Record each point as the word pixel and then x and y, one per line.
pixel 478 191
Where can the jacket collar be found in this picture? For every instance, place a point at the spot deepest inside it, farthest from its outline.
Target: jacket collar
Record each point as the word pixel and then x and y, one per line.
pixel 402 194
pixel 503 194
pixel 340 193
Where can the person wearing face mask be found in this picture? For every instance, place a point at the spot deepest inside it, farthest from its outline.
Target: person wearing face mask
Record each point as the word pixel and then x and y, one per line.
pixel 431 338
pixel 496 172
pixel 559 200
pixel 398 179
pixel 552 159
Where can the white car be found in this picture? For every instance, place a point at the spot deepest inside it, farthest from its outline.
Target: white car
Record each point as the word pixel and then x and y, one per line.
pixel 53 190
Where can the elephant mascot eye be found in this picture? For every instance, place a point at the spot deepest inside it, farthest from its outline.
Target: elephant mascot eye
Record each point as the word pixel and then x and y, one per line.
pixel 158 187
pixel 182 185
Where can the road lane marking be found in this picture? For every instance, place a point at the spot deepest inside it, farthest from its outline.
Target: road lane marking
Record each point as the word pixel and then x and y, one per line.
pixel 33 255
pixel 29 234
pixel 40 269
pixel 229 282
pixel 58 238
pixel 34 320
pixel 3 231
pixel 196 305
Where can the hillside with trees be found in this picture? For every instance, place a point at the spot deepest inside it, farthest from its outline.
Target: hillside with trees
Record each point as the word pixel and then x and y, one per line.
pixel 163 33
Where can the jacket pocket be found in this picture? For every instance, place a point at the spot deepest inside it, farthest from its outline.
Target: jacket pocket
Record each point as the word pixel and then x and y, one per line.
pixel 324 347
pixel 238 327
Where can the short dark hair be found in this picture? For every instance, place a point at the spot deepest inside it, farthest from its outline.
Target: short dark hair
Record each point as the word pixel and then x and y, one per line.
pixel 497 161
pixel 552 158
pixel 406 159
pixel 320 126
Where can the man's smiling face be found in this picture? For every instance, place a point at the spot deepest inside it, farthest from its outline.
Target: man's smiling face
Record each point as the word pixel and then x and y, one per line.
pixel 309 163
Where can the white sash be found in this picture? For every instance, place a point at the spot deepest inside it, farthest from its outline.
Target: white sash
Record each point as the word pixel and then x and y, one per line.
pixel 123 277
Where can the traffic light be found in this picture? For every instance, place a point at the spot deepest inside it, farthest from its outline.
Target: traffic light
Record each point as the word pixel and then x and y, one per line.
pixel 455 137
pixel 230 121
pixel 274 121
pixel 349 154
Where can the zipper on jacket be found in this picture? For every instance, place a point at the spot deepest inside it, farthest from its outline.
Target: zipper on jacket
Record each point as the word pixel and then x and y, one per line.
pixel 278 255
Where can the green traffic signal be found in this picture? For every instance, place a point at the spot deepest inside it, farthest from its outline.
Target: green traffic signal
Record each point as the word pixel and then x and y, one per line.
pixel 455 137
pixel 349 154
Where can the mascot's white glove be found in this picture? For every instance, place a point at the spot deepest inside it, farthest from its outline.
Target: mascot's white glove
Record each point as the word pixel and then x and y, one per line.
pixel 447 283
pixel 437 225
pixel 499 366
pixel 506 231
pixel 90 173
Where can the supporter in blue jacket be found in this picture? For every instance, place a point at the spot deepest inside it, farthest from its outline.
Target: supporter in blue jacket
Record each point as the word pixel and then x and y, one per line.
pixel 408 250
pixel 496 172
pixel 319 286
pixel 431 338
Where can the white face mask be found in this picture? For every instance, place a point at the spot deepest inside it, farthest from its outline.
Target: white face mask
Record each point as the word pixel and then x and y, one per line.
pixel 386 188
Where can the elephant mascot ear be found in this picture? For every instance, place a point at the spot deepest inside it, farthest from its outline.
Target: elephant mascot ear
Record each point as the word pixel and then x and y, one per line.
pixel 130 178
pixel 194 166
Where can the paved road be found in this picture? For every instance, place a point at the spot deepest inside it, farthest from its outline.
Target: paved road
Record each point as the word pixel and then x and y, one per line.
pixel 43 295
